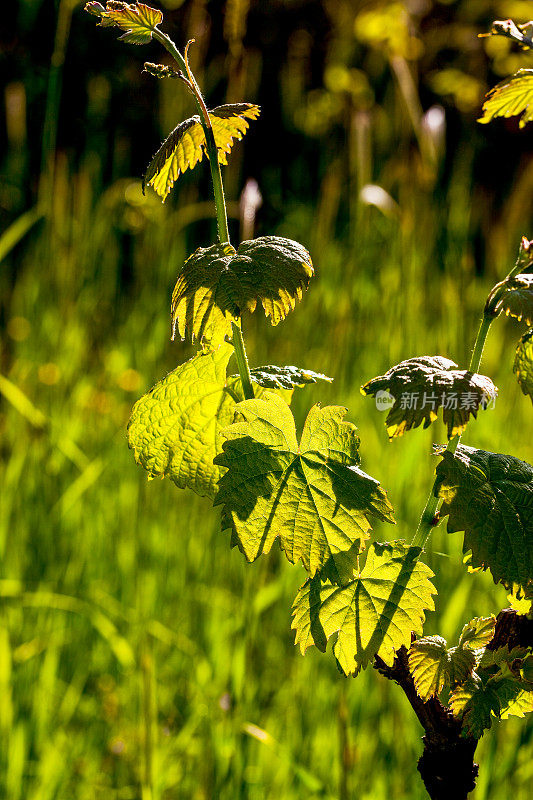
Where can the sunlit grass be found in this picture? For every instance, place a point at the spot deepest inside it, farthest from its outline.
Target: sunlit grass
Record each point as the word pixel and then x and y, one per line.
pixel 139 655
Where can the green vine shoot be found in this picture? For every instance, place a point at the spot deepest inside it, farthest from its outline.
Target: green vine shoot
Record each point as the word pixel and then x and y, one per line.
pixel 233 438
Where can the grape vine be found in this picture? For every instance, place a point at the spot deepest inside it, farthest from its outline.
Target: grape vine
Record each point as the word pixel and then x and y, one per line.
pixel 233 439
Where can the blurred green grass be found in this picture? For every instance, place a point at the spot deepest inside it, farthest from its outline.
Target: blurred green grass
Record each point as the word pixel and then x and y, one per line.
pixel 140 658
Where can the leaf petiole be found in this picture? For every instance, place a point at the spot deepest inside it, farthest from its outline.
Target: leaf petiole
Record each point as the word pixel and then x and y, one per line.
pixel 242 362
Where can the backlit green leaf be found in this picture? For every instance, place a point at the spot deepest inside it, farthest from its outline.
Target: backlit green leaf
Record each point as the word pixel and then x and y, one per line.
pixel 511 97
pixel 217 283
pixel 433 665
pixel 174 429
pixel 477 702
pixel 478 632
pixel 137 19
pixel 273 377
pixel 418 387
pixel 490 497
pixel 313 497
pixel 374 614
pixel 518 300
pixel 185 146
pixel 523 363
pixel 500 658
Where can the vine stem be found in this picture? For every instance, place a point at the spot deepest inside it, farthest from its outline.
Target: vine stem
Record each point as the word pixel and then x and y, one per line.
pixel 218 189
pixel 242 362
pixel 428 515
pixel 212 151
pixel 490 312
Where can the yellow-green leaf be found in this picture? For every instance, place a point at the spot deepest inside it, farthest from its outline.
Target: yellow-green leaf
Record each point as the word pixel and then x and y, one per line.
pixel 218 283
pixel 372 615
pixel 185 146
pixel 523 363
pixel 477 702
pixel 174 429
pixel 433 665
pixel 313 497
pixel 511 97
pixel 138 20
pixel 478 632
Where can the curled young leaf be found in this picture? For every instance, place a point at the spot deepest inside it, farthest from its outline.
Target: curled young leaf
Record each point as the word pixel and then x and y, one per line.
pixel 518 300
pixel 185 146
pixel 373 614
pixel 415 389
pixel 478 632
pixel 161 71
pixel 511 97
pixel 312 496
pixel 138 20
pixel 506 27
pixel 523 363
pixel 489 496
pixel 433 665
pixel 217 284
pixel 273 377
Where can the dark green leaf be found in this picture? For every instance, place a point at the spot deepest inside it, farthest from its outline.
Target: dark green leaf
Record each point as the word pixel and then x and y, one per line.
pixel 418 387
pixel 490 497
pixel 273 377
pixel 518 300
pixel 523 363
pixel 477 702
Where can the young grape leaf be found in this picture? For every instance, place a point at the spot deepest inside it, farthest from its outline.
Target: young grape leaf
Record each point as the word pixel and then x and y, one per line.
pixel 138 20
pixel 420 386
pixel 510 97
pixel 313 497
pixel 502 658
pixel 433 665
pixel 185 146
pixel 374 614
pixel 506 27
pixel 161 71
pixel 490 497
pixel 273 377
pixel 478 632
pixel 518 301
pixel 217 283
pixel 476 702
pixel 523 363
pixel 174 429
